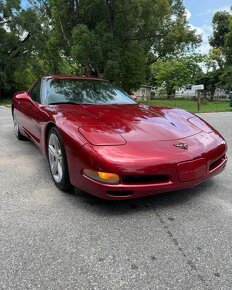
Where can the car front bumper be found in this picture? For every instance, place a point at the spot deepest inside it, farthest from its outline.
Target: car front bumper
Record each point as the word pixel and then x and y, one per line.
pixel 182 169
pixel 183 177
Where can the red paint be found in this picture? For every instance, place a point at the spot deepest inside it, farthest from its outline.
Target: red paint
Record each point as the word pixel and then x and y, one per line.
pixel 128 140
pixel 192 170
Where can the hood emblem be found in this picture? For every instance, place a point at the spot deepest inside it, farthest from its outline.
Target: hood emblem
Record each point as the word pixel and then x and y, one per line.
pixel 183 146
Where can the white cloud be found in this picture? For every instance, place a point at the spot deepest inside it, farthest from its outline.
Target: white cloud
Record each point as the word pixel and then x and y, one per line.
pixel 188 14
pixel 225 8
pixel 213 11
pixel 205 31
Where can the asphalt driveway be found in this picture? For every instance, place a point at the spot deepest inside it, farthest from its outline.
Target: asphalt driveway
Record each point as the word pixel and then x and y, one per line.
pixel 55 240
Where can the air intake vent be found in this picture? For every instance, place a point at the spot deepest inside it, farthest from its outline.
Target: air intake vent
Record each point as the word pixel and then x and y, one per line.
pixel 216 163
pixel 120 193
pixel 145 179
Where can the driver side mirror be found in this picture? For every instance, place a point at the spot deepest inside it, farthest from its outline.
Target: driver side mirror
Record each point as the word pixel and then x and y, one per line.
pixel 22 96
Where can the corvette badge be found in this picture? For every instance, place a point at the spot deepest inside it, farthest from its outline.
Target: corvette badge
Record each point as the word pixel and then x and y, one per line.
pixel 182 145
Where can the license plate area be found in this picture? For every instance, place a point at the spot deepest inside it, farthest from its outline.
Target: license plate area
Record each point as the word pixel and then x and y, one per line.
pixel 192 170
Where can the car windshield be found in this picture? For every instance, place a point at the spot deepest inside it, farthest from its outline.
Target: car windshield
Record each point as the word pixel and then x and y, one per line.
pixel 84 91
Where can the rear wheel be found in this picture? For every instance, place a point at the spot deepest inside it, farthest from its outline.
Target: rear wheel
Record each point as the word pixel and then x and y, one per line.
pixel 58 160
pixel 16 127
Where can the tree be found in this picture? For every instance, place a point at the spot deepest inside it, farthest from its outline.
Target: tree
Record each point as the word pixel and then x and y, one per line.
pixel 219 59
pixel 228 44
pixel 18 41
pixel 28 47
pixel 221 22
pixel 175 73
pixel 114 42
pixel 113 39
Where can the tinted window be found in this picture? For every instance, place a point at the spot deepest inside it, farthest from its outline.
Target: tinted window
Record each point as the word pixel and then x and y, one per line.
pixel 35 91
pixel 84 91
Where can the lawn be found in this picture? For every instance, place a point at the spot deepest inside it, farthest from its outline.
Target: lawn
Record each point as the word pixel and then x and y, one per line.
pixel 191 105
pixel 5 102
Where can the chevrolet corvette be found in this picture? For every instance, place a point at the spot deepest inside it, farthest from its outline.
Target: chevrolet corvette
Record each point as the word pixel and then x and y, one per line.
pixel 98 139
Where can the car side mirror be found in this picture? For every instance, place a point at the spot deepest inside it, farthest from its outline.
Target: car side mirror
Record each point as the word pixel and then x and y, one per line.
pixel 22 96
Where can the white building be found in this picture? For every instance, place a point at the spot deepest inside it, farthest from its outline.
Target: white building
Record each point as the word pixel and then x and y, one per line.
pixel 187 91
pixel 144 93
pixel 190 91
pixel 220 94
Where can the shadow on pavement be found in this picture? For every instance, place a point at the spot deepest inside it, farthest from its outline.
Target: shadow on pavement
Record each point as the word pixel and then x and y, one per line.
pixel 156 202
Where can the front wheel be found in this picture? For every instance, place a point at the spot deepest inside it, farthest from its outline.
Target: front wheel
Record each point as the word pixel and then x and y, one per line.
pixel 16 128
pixel 58 160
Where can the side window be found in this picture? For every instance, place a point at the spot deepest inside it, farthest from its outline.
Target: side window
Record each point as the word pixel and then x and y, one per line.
pixel 35 92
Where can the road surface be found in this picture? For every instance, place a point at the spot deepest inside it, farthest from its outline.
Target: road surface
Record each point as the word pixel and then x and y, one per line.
pixel 55 240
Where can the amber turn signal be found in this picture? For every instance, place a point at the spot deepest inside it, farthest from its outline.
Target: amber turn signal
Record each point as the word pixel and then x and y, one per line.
pixel 105 177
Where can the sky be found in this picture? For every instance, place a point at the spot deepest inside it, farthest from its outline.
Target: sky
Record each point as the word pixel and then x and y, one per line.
pixel 200 14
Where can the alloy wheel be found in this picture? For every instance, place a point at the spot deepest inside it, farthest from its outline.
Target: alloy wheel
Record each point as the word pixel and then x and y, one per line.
pixel 16 125
pixel 55 157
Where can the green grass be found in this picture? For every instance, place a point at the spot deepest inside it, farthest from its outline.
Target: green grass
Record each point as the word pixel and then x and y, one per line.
pixel 191 105
pixel 5 102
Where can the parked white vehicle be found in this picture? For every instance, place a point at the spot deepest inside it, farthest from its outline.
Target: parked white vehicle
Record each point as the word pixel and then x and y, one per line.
pixel 190 91
pixel 187 91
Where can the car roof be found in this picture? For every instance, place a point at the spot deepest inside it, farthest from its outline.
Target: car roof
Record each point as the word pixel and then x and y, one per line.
pixel 71 77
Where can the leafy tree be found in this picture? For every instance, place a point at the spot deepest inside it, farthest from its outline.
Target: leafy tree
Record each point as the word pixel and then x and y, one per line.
pixel 221 21
pixel 228 44
pixel 18 40
pixel 211 80
pixel 29 47
pixel 114 41
pixel 219 59
pixel 214 60
pixel 175 73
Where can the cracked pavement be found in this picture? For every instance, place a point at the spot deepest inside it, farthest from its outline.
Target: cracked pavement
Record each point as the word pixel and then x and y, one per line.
pixel 55 240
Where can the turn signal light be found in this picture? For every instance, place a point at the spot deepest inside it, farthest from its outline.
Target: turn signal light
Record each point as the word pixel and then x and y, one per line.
pixel 110 178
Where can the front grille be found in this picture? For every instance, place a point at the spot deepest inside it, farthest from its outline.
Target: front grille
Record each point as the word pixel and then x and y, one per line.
pixel 145 179
pixel 216 163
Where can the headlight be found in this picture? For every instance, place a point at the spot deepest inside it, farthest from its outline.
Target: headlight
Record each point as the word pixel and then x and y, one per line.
pixel 105 177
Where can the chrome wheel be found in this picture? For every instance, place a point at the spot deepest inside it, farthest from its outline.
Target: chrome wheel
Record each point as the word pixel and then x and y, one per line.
pixel 16 125
pixel 55 157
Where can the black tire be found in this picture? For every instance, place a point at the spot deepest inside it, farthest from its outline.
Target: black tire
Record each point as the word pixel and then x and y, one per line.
pixel 18 134
pixel 63 184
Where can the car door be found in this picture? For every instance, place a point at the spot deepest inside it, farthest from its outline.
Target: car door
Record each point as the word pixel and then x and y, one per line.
pixel 32 113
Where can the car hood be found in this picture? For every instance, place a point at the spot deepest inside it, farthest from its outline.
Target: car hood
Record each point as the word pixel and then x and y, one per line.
pixel 118 124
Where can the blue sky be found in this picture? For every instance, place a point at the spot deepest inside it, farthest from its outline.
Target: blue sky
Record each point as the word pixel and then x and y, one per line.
pixel 200 14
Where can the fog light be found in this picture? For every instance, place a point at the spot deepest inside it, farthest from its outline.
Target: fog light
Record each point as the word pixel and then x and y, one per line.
pixel 105 177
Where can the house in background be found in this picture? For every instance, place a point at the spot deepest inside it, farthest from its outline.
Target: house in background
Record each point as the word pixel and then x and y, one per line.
pixel 190 91
pixel 187 91
pixel 144 93
pixel 221 94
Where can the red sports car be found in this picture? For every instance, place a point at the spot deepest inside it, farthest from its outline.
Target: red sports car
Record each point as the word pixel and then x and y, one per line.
pixel 97 138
